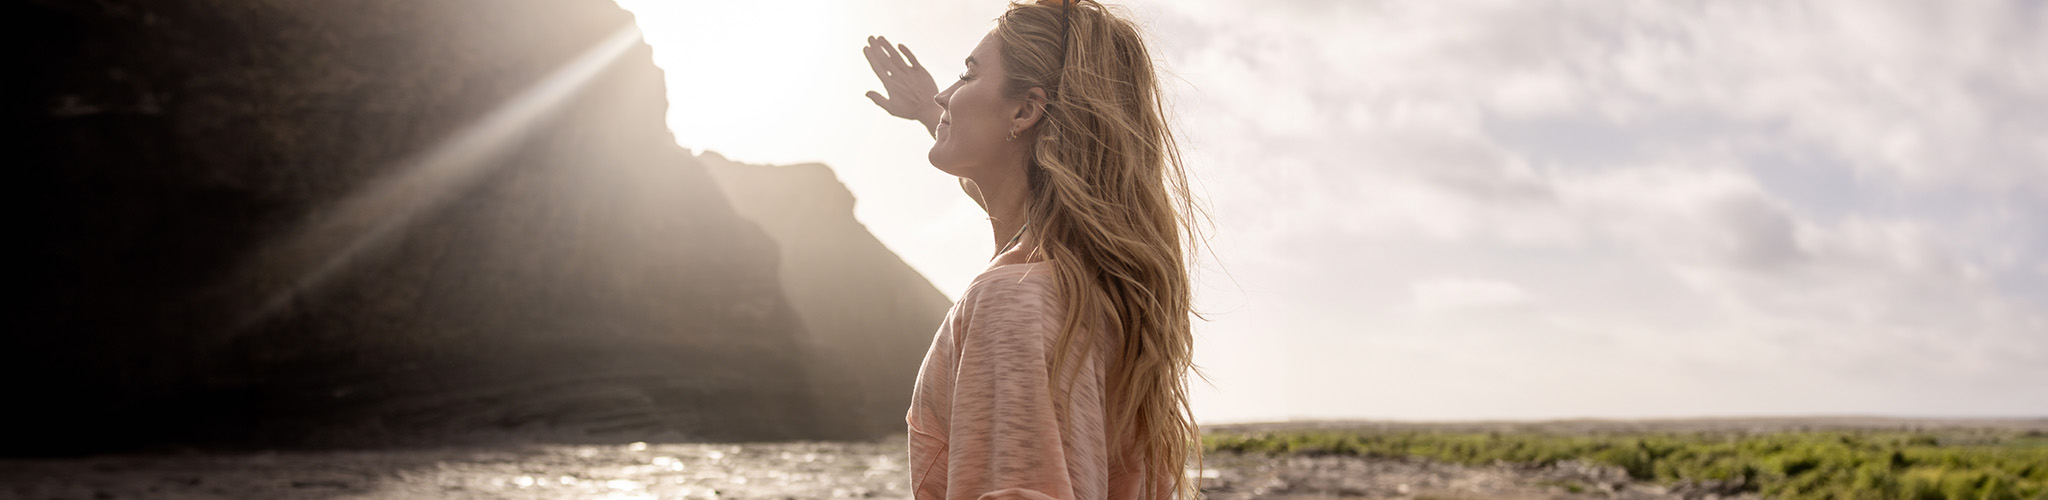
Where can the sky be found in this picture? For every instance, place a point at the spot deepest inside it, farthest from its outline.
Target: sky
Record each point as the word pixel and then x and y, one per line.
pixel 1461 210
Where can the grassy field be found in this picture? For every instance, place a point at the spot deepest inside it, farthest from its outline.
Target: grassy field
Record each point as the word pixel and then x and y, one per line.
pixel 1785 463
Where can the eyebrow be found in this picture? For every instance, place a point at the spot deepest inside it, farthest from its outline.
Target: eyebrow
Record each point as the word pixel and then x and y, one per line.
pixel 970 60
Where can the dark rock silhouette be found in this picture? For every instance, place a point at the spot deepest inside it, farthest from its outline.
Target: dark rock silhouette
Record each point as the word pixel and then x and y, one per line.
pixel 866 308
pixel 384 222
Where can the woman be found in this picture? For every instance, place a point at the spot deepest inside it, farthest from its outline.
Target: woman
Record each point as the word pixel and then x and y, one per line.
pixel 1057 131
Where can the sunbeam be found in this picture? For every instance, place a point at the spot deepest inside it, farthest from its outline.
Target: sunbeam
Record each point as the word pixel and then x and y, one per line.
pixel 294 265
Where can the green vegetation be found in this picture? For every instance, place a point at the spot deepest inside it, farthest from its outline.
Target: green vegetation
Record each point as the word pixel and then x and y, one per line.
pixel 1954 464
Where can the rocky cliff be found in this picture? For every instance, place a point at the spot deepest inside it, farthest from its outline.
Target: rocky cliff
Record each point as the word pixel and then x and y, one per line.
pixel 380 222
pixel 861 303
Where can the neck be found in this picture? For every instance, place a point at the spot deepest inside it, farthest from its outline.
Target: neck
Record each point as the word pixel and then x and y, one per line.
pixel 1006 206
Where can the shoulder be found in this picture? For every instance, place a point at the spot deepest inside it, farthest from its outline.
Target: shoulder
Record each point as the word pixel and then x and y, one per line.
pixel 1029 282
pixel 1012 297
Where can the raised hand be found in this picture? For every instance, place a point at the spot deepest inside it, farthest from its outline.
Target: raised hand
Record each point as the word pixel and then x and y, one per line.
pixel 910 87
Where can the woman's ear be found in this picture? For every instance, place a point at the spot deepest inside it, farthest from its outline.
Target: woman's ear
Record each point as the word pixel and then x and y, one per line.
pixel 1031 112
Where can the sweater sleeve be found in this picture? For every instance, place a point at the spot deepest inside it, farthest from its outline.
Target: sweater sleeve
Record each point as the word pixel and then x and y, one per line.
pixel 1006 439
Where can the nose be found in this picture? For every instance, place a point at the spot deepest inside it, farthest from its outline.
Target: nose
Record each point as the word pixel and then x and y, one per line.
pixel 942 97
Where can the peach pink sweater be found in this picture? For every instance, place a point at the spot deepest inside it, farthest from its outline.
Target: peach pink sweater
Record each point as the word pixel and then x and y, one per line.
pixel 982 425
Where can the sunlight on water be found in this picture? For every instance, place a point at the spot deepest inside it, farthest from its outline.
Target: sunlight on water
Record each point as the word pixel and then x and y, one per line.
pixel 704 471
pixel 633 471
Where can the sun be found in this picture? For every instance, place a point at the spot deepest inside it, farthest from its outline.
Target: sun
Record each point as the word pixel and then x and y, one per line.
pixel 744 76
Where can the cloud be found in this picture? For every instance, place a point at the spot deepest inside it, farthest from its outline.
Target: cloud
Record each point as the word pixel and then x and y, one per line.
pixel 1453 294
pixel 1847 193
pixel 1905 89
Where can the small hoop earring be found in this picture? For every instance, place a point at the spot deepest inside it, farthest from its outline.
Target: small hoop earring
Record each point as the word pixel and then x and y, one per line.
pixel 1013 135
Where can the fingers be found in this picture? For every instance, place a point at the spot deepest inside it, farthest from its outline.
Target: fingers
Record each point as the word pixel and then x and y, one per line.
pixel 876 42
pixel 886 62
pixel 893 56
pixel 879 100
pixel 913 57
pixel 880 52
pixel 882 68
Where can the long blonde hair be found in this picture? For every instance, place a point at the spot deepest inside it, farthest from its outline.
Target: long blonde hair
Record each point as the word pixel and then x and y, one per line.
pixel 1110 207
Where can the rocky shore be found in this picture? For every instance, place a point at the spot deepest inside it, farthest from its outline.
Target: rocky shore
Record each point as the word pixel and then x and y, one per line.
pixel 1244 477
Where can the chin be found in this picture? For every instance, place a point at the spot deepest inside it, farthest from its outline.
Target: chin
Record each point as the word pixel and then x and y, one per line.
pixel 939 160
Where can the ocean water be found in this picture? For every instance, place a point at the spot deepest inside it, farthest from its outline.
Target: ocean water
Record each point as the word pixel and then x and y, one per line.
pixel 555 472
